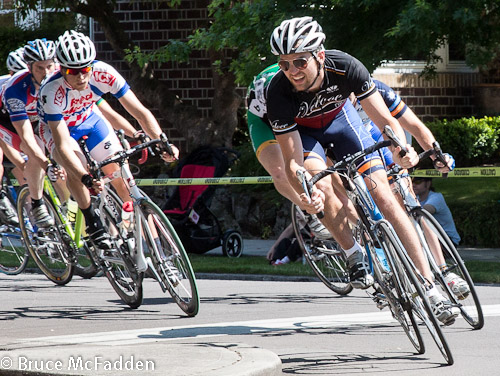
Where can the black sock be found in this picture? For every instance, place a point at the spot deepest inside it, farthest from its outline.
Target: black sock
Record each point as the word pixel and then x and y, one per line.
pixel 92 220
pixel 36 203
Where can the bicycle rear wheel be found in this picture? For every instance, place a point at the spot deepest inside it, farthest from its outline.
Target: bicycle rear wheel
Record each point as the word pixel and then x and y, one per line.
pixel 47 245
pixel 325 257
pixel 470 307
pixel 408 283
pixel 118 264
pixel 170 260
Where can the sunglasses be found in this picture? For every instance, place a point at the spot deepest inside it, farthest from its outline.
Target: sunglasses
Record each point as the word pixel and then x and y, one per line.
pixel 77 71
pixel 300 63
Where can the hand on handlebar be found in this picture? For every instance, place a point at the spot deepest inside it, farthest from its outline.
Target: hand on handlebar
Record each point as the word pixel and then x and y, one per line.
pixel 407 160
pixel 317 202
pixel 444 167
pixel 169 158
pixel 92 183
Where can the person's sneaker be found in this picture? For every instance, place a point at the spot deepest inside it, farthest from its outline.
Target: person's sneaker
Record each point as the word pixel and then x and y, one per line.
pixel 359 271
pixel 101 239
pixel 318 229
pixel 457 285
pixel 8 213
pixel 42 217
pixel 442 309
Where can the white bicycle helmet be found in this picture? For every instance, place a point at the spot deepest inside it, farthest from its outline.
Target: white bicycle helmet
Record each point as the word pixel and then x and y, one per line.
pixel 39 50
pixel 301 34
pixel 15 60
pixel 75 50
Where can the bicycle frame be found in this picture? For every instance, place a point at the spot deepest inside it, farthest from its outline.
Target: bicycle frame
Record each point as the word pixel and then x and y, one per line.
pixel 75 233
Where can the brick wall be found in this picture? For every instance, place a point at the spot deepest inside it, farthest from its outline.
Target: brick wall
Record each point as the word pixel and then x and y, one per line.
pixel 151 25
pixel 448 95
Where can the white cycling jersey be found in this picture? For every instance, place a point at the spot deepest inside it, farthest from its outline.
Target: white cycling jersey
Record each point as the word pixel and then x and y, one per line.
pixel 59 101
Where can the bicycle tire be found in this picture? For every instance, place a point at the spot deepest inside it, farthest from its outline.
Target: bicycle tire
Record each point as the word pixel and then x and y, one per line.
pixel 85 266
pixel 470 307
pixel 167 251
pixel 13 253
pixel 412 282
pixel 46 246
pixel 118 265
pixel 394 285
pixel 325 257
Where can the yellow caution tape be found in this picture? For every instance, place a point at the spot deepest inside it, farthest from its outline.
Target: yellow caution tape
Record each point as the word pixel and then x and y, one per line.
pixel 466 172
pixel 206 181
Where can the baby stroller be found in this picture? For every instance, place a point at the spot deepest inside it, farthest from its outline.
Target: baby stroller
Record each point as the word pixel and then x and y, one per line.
pixel 188 207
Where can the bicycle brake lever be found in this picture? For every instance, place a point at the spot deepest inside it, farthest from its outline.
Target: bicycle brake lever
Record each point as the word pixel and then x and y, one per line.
pixel 392 136
pixel 307 187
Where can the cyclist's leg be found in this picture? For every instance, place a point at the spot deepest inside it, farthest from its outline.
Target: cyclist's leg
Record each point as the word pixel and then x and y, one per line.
pixel 335 217
pixel 102 143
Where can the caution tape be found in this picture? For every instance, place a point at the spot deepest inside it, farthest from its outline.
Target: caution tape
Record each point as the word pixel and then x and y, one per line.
pixel 472 172
pixel 466 172
pixel 206 181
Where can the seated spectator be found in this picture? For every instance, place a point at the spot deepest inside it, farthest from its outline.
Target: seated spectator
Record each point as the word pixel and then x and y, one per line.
pixel 435 204
pixel 286 249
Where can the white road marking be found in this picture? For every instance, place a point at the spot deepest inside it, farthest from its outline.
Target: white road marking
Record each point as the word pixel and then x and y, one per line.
pixel 125 337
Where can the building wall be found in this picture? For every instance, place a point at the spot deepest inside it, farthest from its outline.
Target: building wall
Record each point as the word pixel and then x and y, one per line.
pixel 448 95
pixel 150 25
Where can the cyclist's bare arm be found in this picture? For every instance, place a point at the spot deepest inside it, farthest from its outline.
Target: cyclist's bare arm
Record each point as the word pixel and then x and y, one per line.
pixel 378 112
pixel 29 144
pixel 147 121
pixel 116 120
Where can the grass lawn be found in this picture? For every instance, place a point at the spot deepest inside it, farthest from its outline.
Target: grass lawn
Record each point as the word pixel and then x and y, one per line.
pixel 457 190
pixel 481 272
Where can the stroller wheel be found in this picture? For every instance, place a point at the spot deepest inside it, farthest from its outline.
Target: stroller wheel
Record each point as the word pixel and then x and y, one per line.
pixel 232 244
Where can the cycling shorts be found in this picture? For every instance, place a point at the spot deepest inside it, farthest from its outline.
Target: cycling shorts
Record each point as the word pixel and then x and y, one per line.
pixel 101 141
pixel 261 134
pixel 348 136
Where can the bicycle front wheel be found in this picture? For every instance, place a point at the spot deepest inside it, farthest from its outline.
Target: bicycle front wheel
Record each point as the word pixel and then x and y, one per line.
pixel 13 254
pixel 170 260
pixel 325 257
pixel 118 264
pixel 46 245
pixel 464 296
pixel 408 283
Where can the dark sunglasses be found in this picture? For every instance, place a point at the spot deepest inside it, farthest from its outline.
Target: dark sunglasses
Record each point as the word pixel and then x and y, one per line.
pixel 77 71
pixel 300 63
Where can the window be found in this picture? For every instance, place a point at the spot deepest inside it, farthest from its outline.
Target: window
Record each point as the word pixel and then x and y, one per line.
pixel 453 61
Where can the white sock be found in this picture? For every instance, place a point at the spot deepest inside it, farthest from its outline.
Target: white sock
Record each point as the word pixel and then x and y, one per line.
pixel 432 291
pixel 356 248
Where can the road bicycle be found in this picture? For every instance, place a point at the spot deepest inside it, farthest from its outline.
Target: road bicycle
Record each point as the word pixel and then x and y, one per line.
pixel 149 245
pixel 433 239
pixel 325 257
pixel 59 250
pixel 398 283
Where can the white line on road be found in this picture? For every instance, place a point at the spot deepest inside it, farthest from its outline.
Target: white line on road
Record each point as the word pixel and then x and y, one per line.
pixel 124 337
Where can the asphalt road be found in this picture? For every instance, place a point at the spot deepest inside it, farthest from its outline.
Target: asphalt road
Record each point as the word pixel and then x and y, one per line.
pixel 313 331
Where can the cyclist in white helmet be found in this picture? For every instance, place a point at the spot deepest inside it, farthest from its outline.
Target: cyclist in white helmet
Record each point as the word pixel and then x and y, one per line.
pixel 68 108
pixel 308 108
pixel 19 123
pixel 15 61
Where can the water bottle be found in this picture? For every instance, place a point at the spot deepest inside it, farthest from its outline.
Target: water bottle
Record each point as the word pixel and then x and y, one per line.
pixel 382 258
pixel 72 210
pixel 128 216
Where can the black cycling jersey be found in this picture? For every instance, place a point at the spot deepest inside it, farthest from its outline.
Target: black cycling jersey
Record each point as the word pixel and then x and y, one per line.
pixel 344 75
